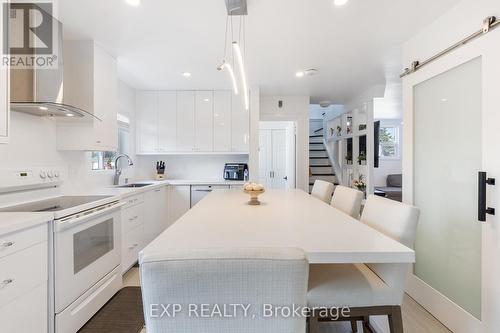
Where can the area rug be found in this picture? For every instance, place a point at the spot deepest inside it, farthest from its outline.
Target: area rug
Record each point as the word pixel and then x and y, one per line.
pixel 122 314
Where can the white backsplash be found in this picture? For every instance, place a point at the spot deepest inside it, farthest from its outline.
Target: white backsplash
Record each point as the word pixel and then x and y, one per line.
pixel 189 167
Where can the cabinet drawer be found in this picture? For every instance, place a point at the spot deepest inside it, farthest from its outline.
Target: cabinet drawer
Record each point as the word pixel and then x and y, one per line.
pixel 132 243
pixel 18 241
pixel 131 217
pixel 22 272
pixel 133 200
pixel 26 314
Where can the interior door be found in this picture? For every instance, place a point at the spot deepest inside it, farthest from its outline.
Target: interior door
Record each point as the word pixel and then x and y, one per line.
pixel 451 128
pixel 279 159
pixel 265 157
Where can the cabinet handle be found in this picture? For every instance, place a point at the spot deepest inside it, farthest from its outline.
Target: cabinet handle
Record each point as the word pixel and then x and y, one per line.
pixel 8 244
pixel 7 282
pixel 133 246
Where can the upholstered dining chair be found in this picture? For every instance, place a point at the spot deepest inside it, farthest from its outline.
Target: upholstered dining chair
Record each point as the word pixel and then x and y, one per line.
pixel 372 289
pixel 322 190
pixel 348 200
pixel 224 277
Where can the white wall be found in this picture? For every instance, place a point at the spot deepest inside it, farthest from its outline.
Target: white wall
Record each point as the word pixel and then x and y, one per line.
pixel 33 143
pixel 295 108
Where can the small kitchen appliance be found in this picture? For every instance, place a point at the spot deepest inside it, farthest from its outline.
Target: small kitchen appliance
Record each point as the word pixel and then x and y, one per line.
pixel 235 171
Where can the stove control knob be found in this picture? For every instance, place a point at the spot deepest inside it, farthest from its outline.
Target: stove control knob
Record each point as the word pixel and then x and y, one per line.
pixel 50 174
pixel 56 174
pixel 43 174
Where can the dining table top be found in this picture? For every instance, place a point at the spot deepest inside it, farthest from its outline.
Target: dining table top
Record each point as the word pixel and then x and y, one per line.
pixel 285 218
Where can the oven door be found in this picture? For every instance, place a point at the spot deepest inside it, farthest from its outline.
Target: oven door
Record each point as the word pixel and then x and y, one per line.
pixel 87 247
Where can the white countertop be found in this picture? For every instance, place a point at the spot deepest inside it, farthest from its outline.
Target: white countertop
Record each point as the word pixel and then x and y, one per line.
pixel 12 222
pixel 285 219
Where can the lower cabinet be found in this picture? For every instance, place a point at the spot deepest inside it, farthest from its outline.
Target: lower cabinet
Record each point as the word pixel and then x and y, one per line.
pixel 144 217
pixel 155 213
pixel 24 280
pixel 179 201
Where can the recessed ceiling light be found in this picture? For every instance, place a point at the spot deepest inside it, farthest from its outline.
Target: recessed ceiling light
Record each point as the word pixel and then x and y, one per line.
pixel 43 108
pixel 69 115
pixel 134 3
pixel 186 74
pixel 206 100
pixel 340 2
pixel 300 74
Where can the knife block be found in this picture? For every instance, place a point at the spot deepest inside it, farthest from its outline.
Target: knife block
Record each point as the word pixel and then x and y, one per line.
pixel 159 176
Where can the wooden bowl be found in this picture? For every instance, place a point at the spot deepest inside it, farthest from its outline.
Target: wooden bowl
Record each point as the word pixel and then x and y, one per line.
pixel 254 197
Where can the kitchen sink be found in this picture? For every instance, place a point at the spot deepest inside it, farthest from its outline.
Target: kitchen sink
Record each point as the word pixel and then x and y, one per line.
pixel 135 185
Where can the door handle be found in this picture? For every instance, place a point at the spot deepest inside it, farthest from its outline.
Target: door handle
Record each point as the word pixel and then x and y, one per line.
pixel 285 178
pixel 482 209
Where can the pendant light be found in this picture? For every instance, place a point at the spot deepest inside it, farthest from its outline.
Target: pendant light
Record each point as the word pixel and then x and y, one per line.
pixel 236 55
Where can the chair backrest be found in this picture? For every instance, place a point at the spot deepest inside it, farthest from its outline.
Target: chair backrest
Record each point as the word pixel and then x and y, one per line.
pixel 224 277
pixel 322 190
pixel 347 200
pixel 395 180
pixel 398 221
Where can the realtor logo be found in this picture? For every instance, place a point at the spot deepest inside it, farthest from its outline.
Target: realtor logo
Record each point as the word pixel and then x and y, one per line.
pixel 28 35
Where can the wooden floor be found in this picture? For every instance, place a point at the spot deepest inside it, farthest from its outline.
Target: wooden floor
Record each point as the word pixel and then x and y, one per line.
pixel 415 318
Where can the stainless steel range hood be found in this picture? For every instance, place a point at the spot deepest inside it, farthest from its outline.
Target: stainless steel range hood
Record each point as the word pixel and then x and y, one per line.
pixel 40 91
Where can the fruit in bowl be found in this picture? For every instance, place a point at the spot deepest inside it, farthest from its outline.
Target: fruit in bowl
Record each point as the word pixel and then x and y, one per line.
pixel 254 190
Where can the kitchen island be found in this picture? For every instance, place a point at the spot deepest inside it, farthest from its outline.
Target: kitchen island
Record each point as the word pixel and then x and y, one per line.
pixel 284 219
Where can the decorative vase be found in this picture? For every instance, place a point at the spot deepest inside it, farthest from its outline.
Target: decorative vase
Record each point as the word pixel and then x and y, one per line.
pixel 254 197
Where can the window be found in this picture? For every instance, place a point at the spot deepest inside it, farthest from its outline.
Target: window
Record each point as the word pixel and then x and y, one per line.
pixel 105 160
pixel 389 142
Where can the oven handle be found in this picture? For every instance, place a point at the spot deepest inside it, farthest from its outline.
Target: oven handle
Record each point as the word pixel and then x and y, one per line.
pixel 77 219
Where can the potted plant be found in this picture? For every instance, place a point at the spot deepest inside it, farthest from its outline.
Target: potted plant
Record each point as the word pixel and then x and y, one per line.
pixel 362 158
pixel 362 127
pixel 360 184
pixel 348 158
pixel 339 131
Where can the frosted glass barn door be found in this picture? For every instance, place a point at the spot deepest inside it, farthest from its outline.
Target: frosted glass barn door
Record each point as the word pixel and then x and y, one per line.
pixel 447 120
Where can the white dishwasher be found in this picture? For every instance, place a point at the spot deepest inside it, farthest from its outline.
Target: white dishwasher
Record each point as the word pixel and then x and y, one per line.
pixel 198 192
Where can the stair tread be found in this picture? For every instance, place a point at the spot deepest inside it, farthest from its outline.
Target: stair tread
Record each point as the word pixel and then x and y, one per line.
pixel 317 149
pixel 320 166
pixel 322 174
pixel 316 136
pixel 318 157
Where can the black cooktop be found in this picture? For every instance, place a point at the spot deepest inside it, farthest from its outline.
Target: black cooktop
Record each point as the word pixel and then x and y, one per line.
pixel 54 204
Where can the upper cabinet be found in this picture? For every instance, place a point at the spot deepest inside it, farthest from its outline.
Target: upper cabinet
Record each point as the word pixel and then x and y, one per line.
pixel 4 94
pixel 191 122
pixel 240 122
pixel 90 83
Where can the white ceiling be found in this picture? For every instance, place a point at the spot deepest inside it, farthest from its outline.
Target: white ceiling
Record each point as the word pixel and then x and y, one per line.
pixel 354 47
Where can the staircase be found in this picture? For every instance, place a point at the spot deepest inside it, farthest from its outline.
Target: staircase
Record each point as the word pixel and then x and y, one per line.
pixel 319 163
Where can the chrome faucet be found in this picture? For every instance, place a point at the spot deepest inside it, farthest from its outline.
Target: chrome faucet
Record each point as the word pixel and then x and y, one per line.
pixel 118 171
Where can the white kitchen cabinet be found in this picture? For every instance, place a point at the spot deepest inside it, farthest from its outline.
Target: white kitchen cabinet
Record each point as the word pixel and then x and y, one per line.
pixel 167 121
pixel 4 94
pixel 240 125
pixel 185 121
pixel 170 122
pixel 147 121
pixel 91 84
pixel 222 121
pixel 25 278
pixel 179 201
pixel 204 129
pixel 155 213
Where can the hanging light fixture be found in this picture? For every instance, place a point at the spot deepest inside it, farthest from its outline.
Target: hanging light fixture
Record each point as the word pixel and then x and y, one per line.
pixel 241 64
pixel 236 54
